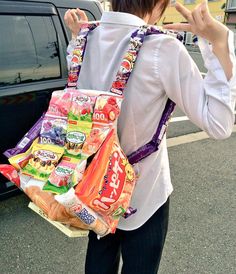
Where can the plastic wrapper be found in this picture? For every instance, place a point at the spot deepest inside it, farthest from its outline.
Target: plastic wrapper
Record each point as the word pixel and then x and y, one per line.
pixel 24 144
pixel 79 121
pixel 43 160
pixel 54 125
pixel 83 212
pixel 108 182
pixel 63 176
pixel 77 173
pixel 19 161
pixel 10 173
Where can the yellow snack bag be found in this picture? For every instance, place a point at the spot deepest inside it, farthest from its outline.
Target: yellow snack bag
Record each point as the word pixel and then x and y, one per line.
pixel 19 161
pixel 44 158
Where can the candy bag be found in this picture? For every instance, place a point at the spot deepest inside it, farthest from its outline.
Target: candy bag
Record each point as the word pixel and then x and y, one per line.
pixel 43 160
pixel 19 161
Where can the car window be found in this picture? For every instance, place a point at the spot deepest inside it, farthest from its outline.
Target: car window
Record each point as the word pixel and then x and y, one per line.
pixel 29 51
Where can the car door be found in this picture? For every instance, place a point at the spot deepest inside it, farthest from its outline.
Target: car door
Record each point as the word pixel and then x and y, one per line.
pixel 32 65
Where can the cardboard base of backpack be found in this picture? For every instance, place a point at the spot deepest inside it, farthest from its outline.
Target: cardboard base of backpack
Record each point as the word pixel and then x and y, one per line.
pixel 70 231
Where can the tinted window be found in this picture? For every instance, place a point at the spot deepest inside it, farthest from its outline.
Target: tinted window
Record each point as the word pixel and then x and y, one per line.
pixel 29 50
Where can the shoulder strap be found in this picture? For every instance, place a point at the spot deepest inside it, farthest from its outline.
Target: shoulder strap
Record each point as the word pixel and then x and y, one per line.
pixel 121 80
pixel 154 144
pixel 78 54
pixel 129 59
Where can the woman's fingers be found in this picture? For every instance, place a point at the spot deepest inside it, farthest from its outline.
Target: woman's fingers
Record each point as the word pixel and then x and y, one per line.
pixel 184 12
pixel 74 16
pixel 82 15
pixel 178 26
pixel 198 17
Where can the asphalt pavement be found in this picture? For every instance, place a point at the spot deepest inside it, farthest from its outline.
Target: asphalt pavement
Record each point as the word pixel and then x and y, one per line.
pixel 202 229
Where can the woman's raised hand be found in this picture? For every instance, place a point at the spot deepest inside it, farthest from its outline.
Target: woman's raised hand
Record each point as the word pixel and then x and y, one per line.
pixel 200 22
pixel 74 19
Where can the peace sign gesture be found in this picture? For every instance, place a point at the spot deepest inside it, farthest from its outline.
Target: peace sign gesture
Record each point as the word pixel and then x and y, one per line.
pixel 200 22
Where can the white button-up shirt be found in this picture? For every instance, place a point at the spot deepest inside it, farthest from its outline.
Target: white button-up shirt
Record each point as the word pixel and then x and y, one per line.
pixel 163 69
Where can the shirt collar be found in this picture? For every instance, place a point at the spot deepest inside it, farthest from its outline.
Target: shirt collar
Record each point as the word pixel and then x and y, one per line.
pixel 121 18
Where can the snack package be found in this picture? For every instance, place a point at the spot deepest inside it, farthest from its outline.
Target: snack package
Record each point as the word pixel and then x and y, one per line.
pixel 82 212
pixel 10 173
pixel 107 108
pixel 78 173
pixel 53 130
pixel 95 139
pixel 24 144
pixel 19 161
pixel 60 180
pixel 108 182
pixel 43 160
pixel 54 125
pixel 60 102
pixel 106 111
pixel 79 121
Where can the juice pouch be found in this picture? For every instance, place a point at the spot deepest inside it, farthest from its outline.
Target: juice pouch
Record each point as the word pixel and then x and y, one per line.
pixel 54 124
pixel 108 182
pixel 60 180
pixel 106 111
pixel 43 161
pixel 79 121
pixel 53 130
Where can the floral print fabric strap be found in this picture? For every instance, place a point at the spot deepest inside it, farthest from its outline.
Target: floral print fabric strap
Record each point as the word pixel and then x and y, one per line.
pixel 127 64
pixel 78 54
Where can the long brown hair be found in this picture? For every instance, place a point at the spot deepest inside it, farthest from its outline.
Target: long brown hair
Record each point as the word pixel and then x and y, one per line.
pixel 138 7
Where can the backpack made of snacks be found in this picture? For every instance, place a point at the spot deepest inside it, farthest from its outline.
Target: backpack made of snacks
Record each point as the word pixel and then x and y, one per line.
pixel 75 169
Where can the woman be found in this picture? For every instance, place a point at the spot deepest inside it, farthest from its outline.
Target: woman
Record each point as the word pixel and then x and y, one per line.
pixel 163 69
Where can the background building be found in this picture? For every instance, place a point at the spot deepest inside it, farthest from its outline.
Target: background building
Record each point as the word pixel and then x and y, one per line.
pixel 105 4
pixel 230 17
pixel 216 8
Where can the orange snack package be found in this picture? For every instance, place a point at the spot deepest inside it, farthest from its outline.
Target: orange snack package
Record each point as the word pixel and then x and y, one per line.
pixel 108 182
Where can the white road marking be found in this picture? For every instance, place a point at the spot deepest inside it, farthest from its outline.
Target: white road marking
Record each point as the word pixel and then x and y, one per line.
pixel 188 138
pixel 182 118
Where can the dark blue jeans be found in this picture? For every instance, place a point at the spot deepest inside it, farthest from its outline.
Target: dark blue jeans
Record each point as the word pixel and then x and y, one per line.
pixel 141 248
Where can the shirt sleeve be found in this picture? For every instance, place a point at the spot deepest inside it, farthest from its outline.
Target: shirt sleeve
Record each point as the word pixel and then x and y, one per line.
pixel 208 102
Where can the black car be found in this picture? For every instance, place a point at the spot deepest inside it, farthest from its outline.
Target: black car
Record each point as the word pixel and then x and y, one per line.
pixel 33 41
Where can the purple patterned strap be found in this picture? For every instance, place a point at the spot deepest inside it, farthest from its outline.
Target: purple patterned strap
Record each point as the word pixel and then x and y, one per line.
pixel 128 61
pixel 154 144
pixel 122 77
pixel 78 54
